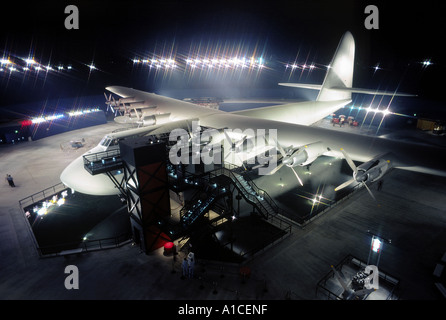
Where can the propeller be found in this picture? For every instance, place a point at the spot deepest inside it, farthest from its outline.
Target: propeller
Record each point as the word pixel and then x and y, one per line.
pixel 350 161
pixel 108 102
pixel 341 279
pixel 286 158
pixel 235 146
pixel 356 178
pixel 112 103
pixel 349 293
pixel 193 133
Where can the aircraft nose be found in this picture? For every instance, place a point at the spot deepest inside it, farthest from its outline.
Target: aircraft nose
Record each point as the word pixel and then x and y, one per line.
pixel 76 177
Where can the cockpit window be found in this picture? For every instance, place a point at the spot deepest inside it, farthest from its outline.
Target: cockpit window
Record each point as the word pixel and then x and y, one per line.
pixel 105 142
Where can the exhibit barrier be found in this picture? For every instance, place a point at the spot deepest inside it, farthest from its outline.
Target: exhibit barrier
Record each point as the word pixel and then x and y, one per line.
pixel 388 283
pixel 45 193
pixel 65 249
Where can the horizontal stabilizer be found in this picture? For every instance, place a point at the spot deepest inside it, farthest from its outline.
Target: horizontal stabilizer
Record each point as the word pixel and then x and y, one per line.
pixel 302 85
pixel 374 92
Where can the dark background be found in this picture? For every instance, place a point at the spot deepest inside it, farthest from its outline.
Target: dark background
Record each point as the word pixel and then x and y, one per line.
pixel 112 33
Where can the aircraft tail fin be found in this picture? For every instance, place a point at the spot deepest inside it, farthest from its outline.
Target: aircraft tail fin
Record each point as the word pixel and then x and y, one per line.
pixel 340 71
pixel 339 74
pixel 338 80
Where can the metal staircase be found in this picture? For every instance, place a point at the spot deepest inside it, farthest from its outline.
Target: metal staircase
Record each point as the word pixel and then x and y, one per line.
pixel 198 207
pixel 249 190
pixel 109 161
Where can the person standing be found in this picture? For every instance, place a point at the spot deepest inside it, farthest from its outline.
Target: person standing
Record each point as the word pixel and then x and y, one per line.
pixel 185 267
pixel 380 185
pixel 10 180
pixel 191 260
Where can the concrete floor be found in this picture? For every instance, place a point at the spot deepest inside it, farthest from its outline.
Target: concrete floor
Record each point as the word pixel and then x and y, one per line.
pixel 411 213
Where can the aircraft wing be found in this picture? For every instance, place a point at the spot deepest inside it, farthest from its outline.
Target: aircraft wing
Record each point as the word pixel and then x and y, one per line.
pixel 303 113
pixel 123 92
pixel 178 109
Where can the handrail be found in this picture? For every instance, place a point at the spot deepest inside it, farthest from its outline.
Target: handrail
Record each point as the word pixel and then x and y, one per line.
pixel 255 197
pixel 84 246
pixel 59 187
pixel 102 161
pixel 214 193
pixel 263 194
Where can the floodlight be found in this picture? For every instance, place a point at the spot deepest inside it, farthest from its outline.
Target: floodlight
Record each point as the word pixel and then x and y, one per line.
pixel 376 244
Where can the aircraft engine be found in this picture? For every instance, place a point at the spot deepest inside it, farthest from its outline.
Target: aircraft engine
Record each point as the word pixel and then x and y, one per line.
pixel 369 171
pixel 305 155
pixel 300 157
pixel 372 170
pixel 156 119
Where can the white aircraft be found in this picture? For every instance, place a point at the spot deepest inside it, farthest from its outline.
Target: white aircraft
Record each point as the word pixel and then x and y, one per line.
pixel 290 121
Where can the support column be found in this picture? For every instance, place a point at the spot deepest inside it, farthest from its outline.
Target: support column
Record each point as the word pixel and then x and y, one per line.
pixel 147 190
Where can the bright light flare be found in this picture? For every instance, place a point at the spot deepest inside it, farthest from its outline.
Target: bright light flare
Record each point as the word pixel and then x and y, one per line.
pixel 369 109
pixel 376 245
pixel 61 201
pixel 30 61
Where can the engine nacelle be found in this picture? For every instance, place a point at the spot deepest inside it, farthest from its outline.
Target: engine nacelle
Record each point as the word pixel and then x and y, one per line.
pixel 306 154
pixel 372 170
pixel 156 119
pixel 141 112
